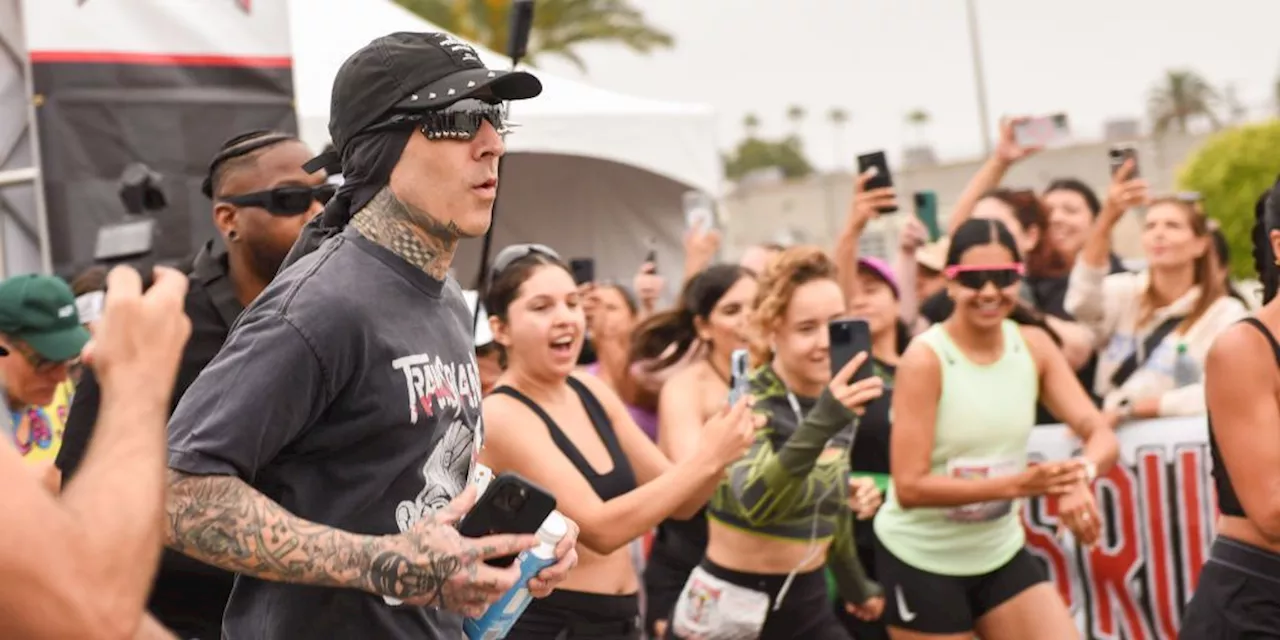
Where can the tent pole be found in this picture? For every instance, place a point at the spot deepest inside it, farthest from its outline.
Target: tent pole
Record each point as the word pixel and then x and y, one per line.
pixel 517 46
pixel 42 211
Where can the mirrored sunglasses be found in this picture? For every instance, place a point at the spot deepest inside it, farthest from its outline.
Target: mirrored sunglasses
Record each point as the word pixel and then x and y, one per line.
pixel 459 121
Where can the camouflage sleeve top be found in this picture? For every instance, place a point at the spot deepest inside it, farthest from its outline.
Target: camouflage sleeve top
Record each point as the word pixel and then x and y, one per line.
pixel 785 488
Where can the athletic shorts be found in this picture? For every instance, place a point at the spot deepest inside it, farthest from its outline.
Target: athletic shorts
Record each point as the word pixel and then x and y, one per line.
pixel 1238 595
pixel 924 602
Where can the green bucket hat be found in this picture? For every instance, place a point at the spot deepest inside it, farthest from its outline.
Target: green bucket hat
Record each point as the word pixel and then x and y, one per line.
pixel 41 311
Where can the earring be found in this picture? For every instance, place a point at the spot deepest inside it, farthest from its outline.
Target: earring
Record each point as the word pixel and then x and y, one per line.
pixel 233 236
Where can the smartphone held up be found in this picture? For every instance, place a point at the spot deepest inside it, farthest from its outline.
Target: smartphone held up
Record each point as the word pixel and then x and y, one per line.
pixel 881 178
pixel 1117 155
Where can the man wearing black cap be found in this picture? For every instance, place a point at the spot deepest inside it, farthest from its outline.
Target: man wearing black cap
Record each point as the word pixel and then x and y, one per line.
pixel 329 442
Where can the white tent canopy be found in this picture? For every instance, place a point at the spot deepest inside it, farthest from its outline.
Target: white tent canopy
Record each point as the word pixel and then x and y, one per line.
pixel 589 172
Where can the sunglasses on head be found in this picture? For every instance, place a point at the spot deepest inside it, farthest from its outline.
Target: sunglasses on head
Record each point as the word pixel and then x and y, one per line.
pixel 459 121
pixel 508 256
pixel 285 201
pixel 977 276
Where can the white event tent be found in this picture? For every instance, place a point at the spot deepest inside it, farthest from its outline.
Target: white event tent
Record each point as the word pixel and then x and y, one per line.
pixel 589 172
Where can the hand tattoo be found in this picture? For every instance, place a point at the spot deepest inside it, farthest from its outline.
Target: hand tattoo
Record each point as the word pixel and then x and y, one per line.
pixel 221 521
pixel 410 233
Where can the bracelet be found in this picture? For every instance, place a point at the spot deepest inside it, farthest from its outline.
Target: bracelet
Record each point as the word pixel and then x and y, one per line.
pixel 1090 469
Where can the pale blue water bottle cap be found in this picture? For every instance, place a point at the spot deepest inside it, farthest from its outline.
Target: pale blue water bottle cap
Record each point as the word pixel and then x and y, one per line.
pixel 553 529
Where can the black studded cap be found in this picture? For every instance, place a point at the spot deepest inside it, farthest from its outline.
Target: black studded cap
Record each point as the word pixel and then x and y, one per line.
pixel 407 71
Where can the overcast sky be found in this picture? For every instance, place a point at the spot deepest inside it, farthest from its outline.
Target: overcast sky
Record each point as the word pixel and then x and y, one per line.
pixel 879 59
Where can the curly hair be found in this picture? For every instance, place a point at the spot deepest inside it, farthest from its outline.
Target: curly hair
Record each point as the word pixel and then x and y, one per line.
pixel 792 268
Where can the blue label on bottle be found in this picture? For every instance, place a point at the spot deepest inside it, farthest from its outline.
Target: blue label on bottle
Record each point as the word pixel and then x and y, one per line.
pixel 499 618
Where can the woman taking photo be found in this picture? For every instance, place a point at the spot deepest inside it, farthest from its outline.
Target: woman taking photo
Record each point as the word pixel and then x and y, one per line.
pixel 1143 324
pixel 572 435
pixel 712 319
pixel 1239 591
pixel 781 515
pixel 874 295
pixel 952 558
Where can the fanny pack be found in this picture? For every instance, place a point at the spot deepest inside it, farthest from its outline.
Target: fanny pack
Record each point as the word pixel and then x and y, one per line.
pixel 710 608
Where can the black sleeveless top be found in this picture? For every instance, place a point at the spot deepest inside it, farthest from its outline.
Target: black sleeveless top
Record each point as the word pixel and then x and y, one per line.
pixel 1228 502
pixel 618 480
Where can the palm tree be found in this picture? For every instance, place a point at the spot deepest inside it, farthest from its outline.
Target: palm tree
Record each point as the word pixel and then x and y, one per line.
pixel 838 118
pixel 1180 96
pixel 918 119
pixel 795 113
pixel 751 122
pixel 560 27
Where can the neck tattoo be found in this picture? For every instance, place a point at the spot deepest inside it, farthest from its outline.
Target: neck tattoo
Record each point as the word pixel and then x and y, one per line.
pixel 413 234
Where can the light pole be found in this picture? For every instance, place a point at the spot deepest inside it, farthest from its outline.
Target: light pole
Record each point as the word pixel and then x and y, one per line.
pixel 979 80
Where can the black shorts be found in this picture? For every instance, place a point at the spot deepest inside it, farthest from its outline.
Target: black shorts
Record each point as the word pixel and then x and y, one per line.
pixel 1238 595
pixel 925 602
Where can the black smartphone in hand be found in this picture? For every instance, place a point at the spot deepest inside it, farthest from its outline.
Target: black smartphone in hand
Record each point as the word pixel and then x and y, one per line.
pixel 583 269
pixel 738 369
pixel 848 339
pixel 882 177
pixel 511 504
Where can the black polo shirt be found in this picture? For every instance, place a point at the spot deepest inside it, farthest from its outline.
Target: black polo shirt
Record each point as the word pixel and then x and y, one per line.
pixel 188 596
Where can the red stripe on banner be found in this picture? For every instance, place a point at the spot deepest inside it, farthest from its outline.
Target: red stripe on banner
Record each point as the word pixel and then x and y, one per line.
pixel 161 59
pixel 1159 573
pixel 1190 464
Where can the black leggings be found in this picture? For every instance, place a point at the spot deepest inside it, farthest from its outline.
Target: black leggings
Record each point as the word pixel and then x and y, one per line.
pixel 805 613
pixel 1238 596
pixel 575 615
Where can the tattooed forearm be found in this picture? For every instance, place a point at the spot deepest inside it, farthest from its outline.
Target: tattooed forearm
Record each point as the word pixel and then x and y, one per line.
pixel 410 233
pixel 224 522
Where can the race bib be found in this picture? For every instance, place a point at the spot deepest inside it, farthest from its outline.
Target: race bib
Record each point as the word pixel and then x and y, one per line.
pixel 712 609
pixel 982 468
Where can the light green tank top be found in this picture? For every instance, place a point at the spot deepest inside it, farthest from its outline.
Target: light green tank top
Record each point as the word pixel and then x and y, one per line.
pixel 985 415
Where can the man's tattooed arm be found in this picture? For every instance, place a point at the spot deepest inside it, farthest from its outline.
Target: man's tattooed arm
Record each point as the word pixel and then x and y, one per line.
pixel 224 522
pixel 413 234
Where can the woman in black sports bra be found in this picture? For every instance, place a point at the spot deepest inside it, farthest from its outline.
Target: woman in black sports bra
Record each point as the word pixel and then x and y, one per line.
pixel 572 435
pixel 1238 595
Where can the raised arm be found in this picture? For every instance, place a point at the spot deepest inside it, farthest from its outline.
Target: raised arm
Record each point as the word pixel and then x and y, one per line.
pixel 104 529
pixel 990 174
pixel 864 208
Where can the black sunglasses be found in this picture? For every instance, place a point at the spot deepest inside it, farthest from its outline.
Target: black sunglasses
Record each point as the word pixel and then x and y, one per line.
pixel 977 277
pixel 459 121
pixel 515 252
pixel 285 201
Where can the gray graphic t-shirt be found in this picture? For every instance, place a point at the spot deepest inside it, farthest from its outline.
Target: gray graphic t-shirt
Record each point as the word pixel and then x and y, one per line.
pixel 348 393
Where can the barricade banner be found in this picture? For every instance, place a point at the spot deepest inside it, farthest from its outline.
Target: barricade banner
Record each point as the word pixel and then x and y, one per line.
pixel 1159 509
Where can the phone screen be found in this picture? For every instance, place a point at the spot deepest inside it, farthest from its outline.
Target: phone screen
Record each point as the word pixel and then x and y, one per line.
pixel 125 240
pixel 927 213
pixel 882 178
pixel 1117 155
pixel 738 367
pixel 848 339
pixel 1042 131
pixel 699 211
pixel 584 270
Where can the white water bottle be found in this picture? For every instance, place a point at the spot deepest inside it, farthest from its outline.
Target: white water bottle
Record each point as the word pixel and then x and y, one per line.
pixel 499 618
